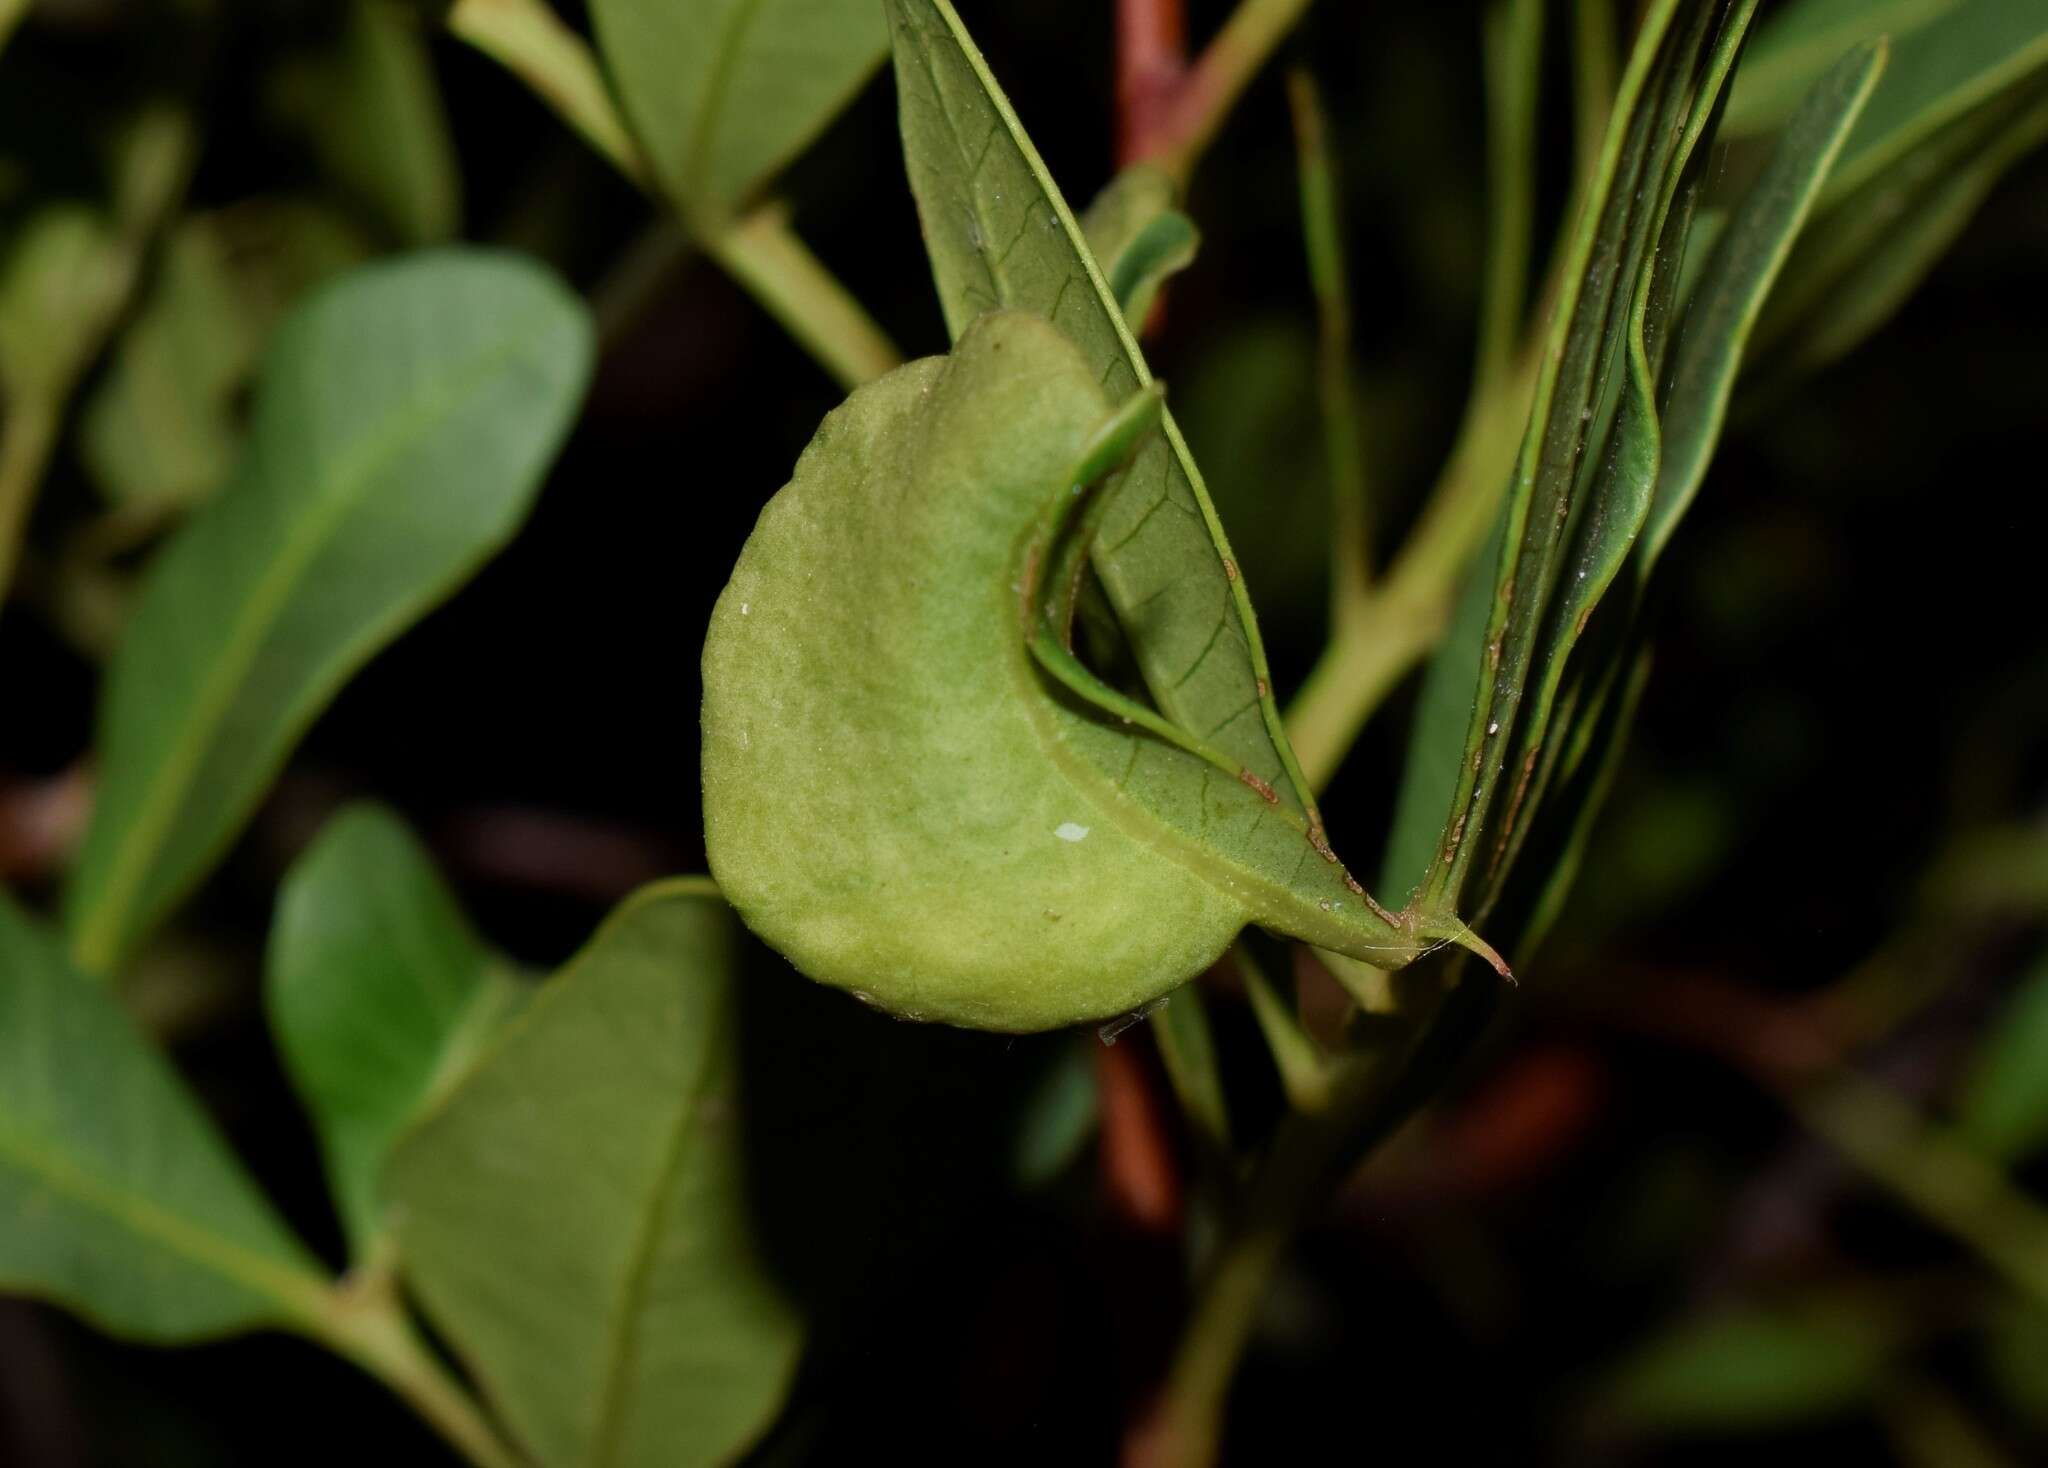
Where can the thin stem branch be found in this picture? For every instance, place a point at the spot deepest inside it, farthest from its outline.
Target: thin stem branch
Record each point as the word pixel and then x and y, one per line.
pixel 760 250
pixel 1217 79
pixel 364 1322
pixel 1151 62
pixel 1322 232
pixel 766 256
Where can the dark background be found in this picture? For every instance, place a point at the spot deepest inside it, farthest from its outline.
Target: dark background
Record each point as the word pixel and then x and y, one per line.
pixel 1850 671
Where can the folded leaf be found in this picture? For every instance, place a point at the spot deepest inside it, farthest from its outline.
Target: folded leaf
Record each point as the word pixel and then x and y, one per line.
pixel 722 93
pixel 900 799
pixel 379 995
pixel 1000 234
pixel 573 1216
pixel 403 421
pixel 120 1201
pixel 1134 229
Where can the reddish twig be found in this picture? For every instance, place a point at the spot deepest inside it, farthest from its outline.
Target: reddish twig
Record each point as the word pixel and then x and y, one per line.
pixel 1151 63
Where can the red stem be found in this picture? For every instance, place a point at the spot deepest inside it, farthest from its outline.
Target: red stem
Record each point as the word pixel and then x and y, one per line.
pixel 1151 63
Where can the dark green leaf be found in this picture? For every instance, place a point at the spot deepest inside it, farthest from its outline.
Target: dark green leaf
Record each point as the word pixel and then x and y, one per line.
pixel 403 423
pixel 2003 1108
pixel 1755 1369
pixel 120 1200
pixel 372 111
pixel 722 93
pixel 1795 45
pixel 573 1216
pixel 379 995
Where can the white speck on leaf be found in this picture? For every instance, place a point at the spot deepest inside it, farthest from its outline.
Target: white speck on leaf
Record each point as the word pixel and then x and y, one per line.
pixel 745 607
pixel 1068 831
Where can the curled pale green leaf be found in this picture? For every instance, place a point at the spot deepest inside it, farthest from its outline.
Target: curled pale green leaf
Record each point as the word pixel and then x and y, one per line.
pixel 901 799
pixel 403 422
pixel 574 1215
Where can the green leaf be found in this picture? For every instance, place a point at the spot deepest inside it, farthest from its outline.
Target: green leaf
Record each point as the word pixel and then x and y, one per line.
pixel 896 794
pixel 1749 253
pixel 403 422
pixel 63 279
pixel 379 996
pixel 121 1201
pixel 1000 234
pixel 722 93
pixel 1798 42
pixel 1135 229
pixel 1590 459
pixel 1939 73
pixel 372 112
pixel 573 1216
pixel 2003 1108
pixel 163 425
pixel 1755 1368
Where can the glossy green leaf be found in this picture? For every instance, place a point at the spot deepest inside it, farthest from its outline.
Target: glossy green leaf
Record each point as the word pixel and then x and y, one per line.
pixel 371 109
pixel 1000 234
pixel 573 1216
pixel 1590 459
pixel 896 794
pixel 2003 1107
pixel 1728 298
pixel 403 422
pixel 120 1201
pixel 722 93
pixel 1755 1368
pixel 1137 232
pixel 163 425
pixel 379 996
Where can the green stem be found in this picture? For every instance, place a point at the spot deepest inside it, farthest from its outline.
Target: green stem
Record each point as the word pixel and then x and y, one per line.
pixel 759 250
pixel 765 255
pixel 1936 1174
pixel 1322 233
pixel 1218 78
pixel 1595 68
pixel 529 40
pixel 364 1323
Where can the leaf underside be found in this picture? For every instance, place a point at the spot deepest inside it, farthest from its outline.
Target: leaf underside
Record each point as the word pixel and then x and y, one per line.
pixel 573 1215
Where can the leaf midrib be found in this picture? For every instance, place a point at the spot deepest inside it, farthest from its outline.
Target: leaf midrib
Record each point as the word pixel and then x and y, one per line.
pixel 295 1291
pixel 622 1345
pixel 96 945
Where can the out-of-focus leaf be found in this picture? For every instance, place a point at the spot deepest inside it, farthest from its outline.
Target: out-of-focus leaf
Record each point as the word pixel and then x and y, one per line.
pixel 61 283
pixel 161 425
pixel 1139 236
pixel 1754 1369
pixel 1058 1116
pixel 901 799
pixel 1861 262
pixel 371 109
pixel 11 13
pixel 722 93
pixel 2014 1348
pixel 1000 234
pixel 1797 42
pixel 379 995
pixel 574 1218
pixel 404 420
pixel 121 1202
pixel 1940 72
pixel 2003 1108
